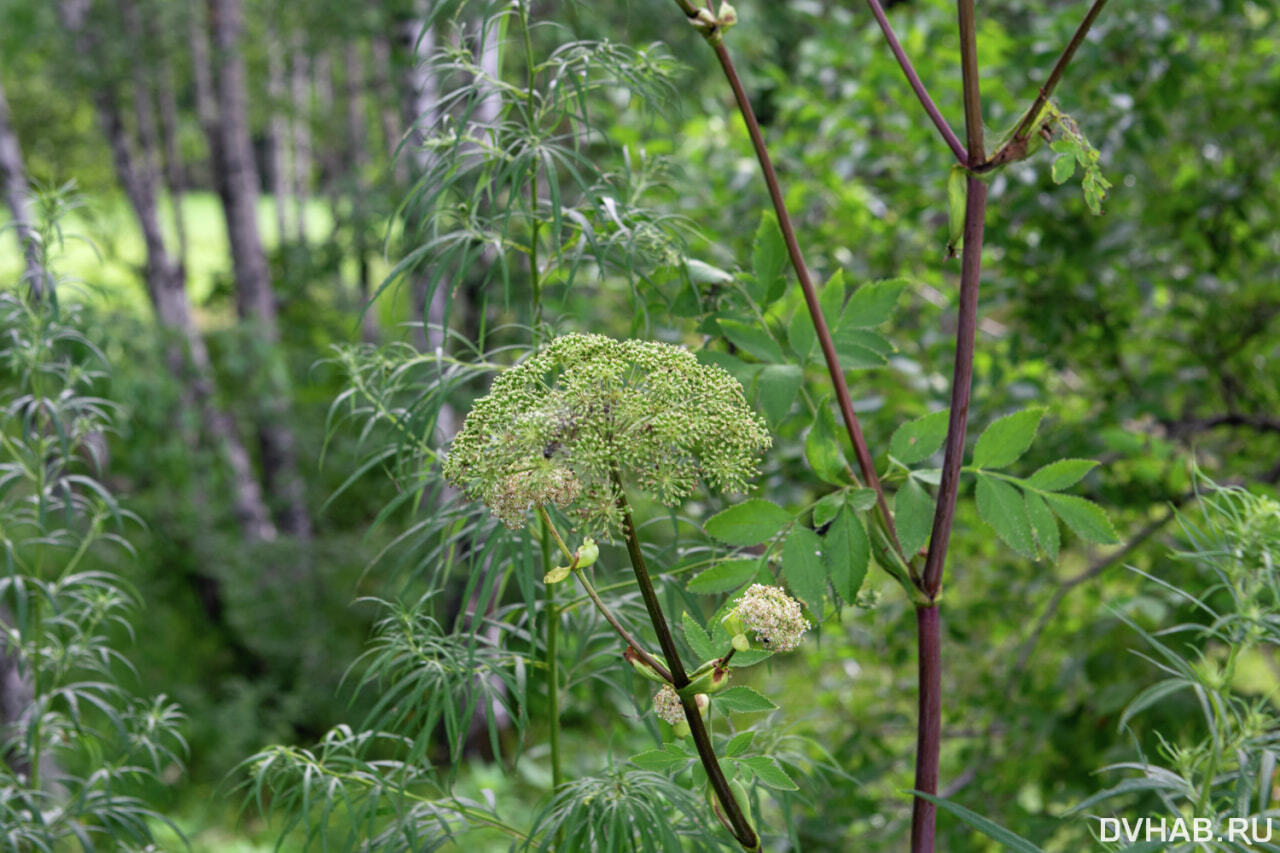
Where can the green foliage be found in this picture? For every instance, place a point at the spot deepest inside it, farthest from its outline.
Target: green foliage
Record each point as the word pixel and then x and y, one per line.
pixel 1222 767
pixel 79 749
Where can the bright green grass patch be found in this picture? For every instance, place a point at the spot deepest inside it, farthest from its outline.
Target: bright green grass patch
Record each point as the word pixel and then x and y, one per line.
pixel 103 253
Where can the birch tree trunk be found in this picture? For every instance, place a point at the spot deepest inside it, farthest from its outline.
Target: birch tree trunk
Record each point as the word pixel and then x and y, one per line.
pixel 300 90
pixel 388 115
pixel 13 182
pixel 255 300
pixel 166 287
pixel 358 162
pixel 277 134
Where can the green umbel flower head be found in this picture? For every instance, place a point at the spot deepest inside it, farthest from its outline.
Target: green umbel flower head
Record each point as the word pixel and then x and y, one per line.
pixel 565 425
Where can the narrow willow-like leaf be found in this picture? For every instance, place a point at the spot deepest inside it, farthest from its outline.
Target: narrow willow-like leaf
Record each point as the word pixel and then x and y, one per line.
pixel 1006 839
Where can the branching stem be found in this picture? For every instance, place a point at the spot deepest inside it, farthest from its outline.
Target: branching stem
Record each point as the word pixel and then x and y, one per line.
pixel 600 605
pixel 865 463
pixel 917 86
pixel 742 831
pixel 1059 68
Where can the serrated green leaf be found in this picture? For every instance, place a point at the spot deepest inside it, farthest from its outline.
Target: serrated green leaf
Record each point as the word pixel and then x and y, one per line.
pixel 803 567
pixel 860 349
pixel 913 516
pixel 770 774
pixel 1063 168
pixel 1044 524
pixel 1085 517
pixel 724 576
pixel 742 699
pixel 800 334
pixel 861 499
pixel 822 448
pixel 704 273
pixel 658 760
pixel 989 828
pixel 831 298
pixel 739 743
pixel 1005 440
pixel 697 638
pixel 778 385
pixel 768 259
pixel 734 366
pixel 1060 475
pixel 826 509
pixel 749 523
pixel 872 304
pixel 1000 506
pixel 915 441
pixel 847 551
pixel 751 338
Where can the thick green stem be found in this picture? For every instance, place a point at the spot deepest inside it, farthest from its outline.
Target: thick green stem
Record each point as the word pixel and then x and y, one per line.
pixel 741 826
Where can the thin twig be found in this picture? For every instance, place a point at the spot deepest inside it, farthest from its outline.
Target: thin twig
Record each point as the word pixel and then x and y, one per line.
pixel 917 86
pixel 854 428
pixel 581 575
pixel 1060 67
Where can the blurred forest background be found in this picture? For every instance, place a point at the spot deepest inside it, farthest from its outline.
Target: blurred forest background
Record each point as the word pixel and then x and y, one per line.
pixel 242 185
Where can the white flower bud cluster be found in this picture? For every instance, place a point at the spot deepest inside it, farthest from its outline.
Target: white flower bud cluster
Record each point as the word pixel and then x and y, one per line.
pixel 666 704
pixel 773 616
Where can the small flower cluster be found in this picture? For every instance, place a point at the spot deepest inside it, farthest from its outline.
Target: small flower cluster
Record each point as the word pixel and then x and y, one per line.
pixel 600 411
pixel 773 616
pixel 666 704
pixel 513 496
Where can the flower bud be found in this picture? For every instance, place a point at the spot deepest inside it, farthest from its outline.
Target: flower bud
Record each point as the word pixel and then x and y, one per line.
pixel 643 668
pixel 586 554
pixel 707 679
pixel 556 575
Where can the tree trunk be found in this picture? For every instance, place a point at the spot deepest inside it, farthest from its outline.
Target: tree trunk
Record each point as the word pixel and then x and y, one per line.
pixel 300 88
pixel 421 91
pixel 388 115
pixel 255 300
pixel 277 134
pixel 13 181
pixel 166 287
pixel 358 163
pixel 174 174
